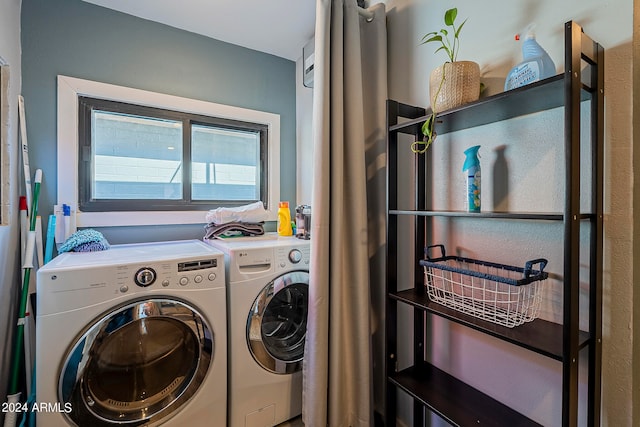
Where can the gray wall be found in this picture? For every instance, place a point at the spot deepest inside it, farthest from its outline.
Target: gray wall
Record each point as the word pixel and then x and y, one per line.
pixel 78 39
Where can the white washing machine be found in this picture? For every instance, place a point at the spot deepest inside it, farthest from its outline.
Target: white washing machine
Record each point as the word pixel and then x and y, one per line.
pixel 133 335
pixel 267 291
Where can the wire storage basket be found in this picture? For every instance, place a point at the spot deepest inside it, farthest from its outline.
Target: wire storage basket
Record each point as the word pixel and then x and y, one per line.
pixel 498 293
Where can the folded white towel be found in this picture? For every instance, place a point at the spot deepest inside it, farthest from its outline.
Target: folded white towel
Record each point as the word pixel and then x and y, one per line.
pixel 253 212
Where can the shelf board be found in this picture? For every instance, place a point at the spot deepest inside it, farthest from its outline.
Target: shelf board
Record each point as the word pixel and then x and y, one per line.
pixel 535 97
pixel 537 216
pixel 540 336
pixel 547 216
pixel 454 401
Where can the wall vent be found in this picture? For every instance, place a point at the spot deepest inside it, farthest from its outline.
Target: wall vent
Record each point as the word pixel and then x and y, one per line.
pixel 308 62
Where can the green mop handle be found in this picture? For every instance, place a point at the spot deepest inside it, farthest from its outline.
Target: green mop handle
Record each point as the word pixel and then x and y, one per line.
pixel 19 343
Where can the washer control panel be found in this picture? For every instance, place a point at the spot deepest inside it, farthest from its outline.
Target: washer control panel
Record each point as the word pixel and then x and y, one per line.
pixel 292 257
pixel 73 280
pixel 198 273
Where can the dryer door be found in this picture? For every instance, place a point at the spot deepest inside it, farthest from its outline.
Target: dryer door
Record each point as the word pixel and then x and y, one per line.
pixel 277 323
pixel 136 364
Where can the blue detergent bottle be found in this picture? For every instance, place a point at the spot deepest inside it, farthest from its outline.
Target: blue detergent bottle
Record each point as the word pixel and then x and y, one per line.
pixel 536 64
pixel 472 168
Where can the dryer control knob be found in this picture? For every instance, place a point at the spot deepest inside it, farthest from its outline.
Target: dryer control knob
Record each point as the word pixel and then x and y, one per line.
pixel 184 281
pixel 145 277
pixel 212 276
pixel 295 256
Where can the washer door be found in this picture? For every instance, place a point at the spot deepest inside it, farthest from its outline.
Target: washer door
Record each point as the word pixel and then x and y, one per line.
pixel 277 323
pixel 136 364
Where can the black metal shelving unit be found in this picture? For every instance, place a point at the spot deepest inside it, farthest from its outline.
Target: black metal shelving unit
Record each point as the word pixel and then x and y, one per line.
pixel 431 388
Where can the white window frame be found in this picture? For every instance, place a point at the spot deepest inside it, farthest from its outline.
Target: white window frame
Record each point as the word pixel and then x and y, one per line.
pixel 5 166
pixel 70 88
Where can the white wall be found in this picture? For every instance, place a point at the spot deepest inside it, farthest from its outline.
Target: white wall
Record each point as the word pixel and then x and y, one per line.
pixel 9 268
pixel 304 143
pixel 527 382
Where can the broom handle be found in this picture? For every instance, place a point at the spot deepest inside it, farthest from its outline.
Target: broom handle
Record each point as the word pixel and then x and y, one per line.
pixel 19 343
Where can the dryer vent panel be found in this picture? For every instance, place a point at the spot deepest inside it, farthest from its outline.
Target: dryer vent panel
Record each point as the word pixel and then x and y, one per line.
pixel 308 62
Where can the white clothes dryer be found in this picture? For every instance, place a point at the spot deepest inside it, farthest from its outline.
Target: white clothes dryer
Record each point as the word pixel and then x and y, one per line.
pixel 133 335
pixel 267 292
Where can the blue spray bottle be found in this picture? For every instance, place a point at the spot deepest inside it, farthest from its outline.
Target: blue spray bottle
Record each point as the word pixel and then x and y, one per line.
pixel 472 168
pixel 536 64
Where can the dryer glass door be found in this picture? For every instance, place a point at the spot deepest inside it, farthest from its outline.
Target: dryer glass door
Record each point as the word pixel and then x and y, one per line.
pixel 137 364
pixel 277 323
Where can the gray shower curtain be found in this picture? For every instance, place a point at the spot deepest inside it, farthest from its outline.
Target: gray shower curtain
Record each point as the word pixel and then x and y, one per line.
pixel 347 245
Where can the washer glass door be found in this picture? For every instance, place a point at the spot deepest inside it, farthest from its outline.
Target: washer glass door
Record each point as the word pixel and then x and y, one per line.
pixel 136 364
pixel 277 323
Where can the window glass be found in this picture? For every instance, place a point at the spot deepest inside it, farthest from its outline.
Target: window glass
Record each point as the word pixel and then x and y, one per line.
pixel 135 157
pixel 139 364
pixel 225 164
pixel 142 158
pixel 136 364
pixel 284 324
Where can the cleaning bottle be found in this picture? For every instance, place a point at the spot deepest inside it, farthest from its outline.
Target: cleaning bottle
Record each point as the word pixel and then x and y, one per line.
pixel 284 219
pixel 536 64
pixel 472 168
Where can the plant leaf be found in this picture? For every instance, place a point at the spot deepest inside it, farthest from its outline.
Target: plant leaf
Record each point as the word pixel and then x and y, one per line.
pixel 426 130
pixel 432 33
pixel 446 49
pixel 460 27
pixel 433 39
pixel 450 16
pixel 427 127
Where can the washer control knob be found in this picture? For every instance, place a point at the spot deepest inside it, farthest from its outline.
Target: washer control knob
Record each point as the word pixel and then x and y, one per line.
pixel 165 282
pixel 145 277
pixel 212 277
pixel 124 288
pixel 197 279
pixel 184 281
pixel 295 256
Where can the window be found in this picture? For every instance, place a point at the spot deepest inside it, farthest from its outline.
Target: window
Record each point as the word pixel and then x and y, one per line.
pixel 141 158
pixel 132 157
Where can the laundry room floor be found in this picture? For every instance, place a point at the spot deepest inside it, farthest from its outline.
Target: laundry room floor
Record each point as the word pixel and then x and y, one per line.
pixel 294 422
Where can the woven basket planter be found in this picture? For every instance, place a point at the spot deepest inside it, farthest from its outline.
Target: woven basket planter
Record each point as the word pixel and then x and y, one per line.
pixel 461 85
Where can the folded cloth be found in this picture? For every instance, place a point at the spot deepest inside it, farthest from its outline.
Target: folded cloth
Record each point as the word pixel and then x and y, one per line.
pixel 87 240
pixel 233 229
pixel 251 213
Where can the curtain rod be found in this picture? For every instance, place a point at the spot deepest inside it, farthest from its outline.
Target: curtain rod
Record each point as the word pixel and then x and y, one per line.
pixel 366 13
